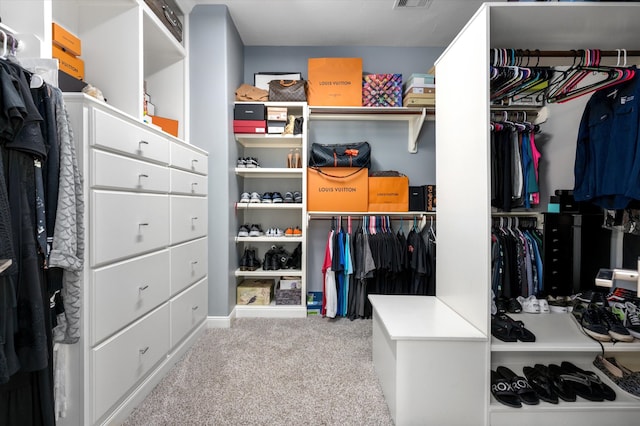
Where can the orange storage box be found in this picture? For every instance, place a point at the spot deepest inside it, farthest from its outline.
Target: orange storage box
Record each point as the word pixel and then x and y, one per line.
pixel 66 41
pixel 389 194
pixel 334 81
pixel 167 124
pixel 68 63
pixel 344 189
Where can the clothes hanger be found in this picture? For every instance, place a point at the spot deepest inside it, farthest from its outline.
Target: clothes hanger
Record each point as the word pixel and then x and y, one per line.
pixel 4 45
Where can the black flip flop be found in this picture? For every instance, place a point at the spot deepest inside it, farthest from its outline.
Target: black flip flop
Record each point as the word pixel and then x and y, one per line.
pixel 516 328
pixel 503 392
pixel 541 384
pixel 596 390
pixel 502 330
pixel 520 386
pixel 560 385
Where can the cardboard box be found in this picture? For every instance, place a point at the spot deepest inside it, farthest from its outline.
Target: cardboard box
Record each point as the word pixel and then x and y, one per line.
pixel 277 114
pixel 382 90
pixel 288 297
pixel 431 198
pixel 388 193
pixel 249 112
pixel 335 81
pixel 68 63
pixel 167 124
pixel 255 292
pixel 338 189
pixel 249 126
pixel 290 283
pixel 65 40
pixel 275 126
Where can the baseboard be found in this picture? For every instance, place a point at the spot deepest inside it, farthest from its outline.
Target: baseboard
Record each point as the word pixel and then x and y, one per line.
pixel 220 322
pixel 119 415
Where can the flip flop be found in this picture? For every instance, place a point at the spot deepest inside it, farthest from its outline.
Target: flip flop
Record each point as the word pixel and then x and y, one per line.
pixel 560 385
pixel 520 386
pixel 502 330
pixel 541 384
pixel 502 391
pixel 596 389
pixel 515 328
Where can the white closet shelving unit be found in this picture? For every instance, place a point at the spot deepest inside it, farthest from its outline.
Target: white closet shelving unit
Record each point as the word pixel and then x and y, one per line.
pixel 463 73
pixel 273 175
pixel 145 280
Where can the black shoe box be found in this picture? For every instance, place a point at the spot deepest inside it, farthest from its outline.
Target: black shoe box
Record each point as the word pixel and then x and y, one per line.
pixel 417 197
pixel 249 112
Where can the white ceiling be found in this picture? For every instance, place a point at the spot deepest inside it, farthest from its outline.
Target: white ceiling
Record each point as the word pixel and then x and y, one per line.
pixel 346 22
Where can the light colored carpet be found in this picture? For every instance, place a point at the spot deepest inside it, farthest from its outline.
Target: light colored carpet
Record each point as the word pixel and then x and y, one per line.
pixel 308 371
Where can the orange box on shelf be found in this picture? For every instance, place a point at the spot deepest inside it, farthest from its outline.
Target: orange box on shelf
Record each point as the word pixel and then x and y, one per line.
pixel 338 189
pixel 388 193
pixel 65 40
pixel 68 63
pixel 167 124
pixel 335 81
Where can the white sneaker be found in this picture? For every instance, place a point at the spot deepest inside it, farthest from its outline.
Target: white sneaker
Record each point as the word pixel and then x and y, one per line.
pixel 544 306
pixel 529 305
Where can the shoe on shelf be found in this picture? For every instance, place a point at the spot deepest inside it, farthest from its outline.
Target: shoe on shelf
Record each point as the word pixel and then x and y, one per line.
pixel 290 164
pixel 297 159
pixel 513 306
pixel 243 231
pixel 297 197
pixel 245 197
pixel 593 297
pixel 288 232
pixel 544 306
pixel 297 232
pixel 276 197
pixel 592 324
pixel 255 198
pixel 277 232
pixel 632 319
pixel 529 305
pixel 288 197
pixel 266 198
pixel 616 328
pixel 557 304
pixel 255 231
pixel 252 162
pixel 241 163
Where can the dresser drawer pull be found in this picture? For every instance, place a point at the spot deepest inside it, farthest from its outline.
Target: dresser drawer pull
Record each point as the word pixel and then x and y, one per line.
pixel 142 175
pixel 194 262
pixel 193 185
pixel 143 224
pixel 143 288
pixel 143 142
pixel 194 308
pixel 144 350
pixel 194 218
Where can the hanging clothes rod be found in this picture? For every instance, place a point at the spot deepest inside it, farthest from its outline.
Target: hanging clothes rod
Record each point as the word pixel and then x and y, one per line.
pixel 570 53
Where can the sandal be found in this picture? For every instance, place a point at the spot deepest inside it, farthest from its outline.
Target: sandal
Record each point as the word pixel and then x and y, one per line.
pixel 560 385
pixel 502 330
pixel 541 384
pixel 503 392
pixel 520 386
pixel 597 388
pixel 515 328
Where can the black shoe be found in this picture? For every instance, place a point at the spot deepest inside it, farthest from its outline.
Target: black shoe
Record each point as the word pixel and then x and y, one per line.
pixel 274 261
pixel 253 260
pixel 266 264
pixel 593 324
pixel 244 260
pixel 615 327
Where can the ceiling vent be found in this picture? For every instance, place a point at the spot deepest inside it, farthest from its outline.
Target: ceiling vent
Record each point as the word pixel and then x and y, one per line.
pixel 410 4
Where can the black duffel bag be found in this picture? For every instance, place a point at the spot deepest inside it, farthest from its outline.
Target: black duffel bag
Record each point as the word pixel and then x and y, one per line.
pixel 357 154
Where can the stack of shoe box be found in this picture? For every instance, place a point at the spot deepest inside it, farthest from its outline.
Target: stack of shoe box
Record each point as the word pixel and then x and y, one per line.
pixel 67 48
pixel 249 118
pixel 276 119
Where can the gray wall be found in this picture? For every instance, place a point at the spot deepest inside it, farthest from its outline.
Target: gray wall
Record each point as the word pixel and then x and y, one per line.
pixel 388 139
pixel 216 66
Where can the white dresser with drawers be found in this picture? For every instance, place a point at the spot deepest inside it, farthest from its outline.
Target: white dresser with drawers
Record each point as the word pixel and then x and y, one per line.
pixel 145 281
